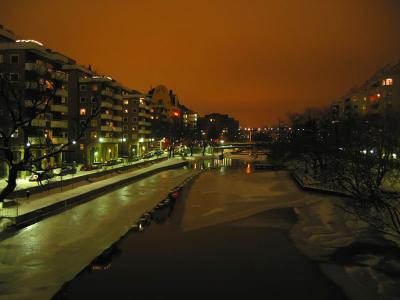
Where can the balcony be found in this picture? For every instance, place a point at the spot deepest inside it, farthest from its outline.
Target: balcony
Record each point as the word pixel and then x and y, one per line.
pixel 109 140
pixel 39 122
pixel 61 93
pixel 106 116
pixel 37 68
pixel 144 115
pixel 106 104
pixel 117 96
pixel 144 123
pixel 144 131
pixel 117 107
pixel 30 103
pixel 32 85
pixel 37 140
pixel 117 129
pixel 106 93
pixel 59 140
pixel 117 118
pixel 59 108
pixel 58 75
pixel 106 128
pixel 59 124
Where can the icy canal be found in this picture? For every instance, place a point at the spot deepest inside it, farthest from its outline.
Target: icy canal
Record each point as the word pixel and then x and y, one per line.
pixel 227 236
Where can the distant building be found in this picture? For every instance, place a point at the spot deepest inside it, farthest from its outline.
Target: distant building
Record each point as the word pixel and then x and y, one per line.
pixel 219 127
pixel 378 93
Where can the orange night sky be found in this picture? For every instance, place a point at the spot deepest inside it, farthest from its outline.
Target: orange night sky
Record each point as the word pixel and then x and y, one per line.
pixel 253 59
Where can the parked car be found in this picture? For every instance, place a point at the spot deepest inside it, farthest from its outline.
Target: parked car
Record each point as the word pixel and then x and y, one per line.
pixel 159 152
pixel 89 167
pixel 67 170
pixel 148 155
pixel 40 176
pixel 135 158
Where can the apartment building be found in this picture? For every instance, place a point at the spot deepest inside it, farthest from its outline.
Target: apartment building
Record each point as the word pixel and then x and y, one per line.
pixel 130 136
pixel 378 93
pixel 35 73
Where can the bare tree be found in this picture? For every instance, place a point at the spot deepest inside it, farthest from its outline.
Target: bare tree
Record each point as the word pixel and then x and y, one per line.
pixel 19 124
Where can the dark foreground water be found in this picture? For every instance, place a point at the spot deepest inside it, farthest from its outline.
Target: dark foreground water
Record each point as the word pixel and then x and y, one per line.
pixel 245 258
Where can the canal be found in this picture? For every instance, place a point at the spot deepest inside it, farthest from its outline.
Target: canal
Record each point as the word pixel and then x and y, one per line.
pixel 226 236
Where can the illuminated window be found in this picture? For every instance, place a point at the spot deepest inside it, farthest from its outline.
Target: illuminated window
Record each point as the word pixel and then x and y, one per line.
pixel 107 112
pixel 94 87
pixel 81 146
pixel 82 111
pixel 126 102
pixel 93 135
pixel 14 58
pixel 387 81
pixel 125 111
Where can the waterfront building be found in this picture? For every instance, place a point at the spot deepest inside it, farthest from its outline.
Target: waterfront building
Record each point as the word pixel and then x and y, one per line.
pixel 35 76
pixel 379 93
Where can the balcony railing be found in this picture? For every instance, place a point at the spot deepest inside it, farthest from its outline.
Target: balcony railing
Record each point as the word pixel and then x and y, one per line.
pixel 117 129
pixel 117 118
pixel 144 123
pixel 39 122
pixel 58 75
pixel 59 140
pixel 144 131
pixel 59 124
pixel 106 128
pixel 59 108
pixel 61 93
pixel 106 117
pixel 37 140
pixel 117 96
pixel 38 68
pixel 109 140
pixel 117 107
pixel 106 104
pixel 106 93
pixel 30 103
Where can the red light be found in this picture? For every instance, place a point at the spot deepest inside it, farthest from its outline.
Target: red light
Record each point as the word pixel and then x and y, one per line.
pixel 176 114
pixel 175 195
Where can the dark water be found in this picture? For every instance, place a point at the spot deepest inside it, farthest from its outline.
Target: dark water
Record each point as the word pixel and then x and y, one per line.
pixel 225 260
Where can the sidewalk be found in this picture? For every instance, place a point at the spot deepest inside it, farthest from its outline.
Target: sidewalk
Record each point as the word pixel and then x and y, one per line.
pixel 39 205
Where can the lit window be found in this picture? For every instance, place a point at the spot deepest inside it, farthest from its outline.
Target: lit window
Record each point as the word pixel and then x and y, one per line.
pixel 125 111
pixel 387 81
pixel 93 135
pixel 81 146
pixel 126 102
pixel 94 87
pixel 82 111
pixel 14 58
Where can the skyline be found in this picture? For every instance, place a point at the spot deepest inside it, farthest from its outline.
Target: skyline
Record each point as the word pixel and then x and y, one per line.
pixel 236 59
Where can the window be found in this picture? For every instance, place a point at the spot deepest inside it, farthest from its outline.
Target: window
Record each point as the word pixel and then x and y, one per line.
pixel 93 123
pixel 14 58
pixel 14 76
pixel 1 58
pixel 94 111
pixel 94 99
pixel 134 110
pixel 125 127
pixel 94 87
pixel 82 111
pixel 126 102
pixel 125 136
pixel 93 135
pixel 126 110
pixel 83 88
pixel 81 147
pixel 63 100
pixel 83 99
pixel 125 119
pixel 387 81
